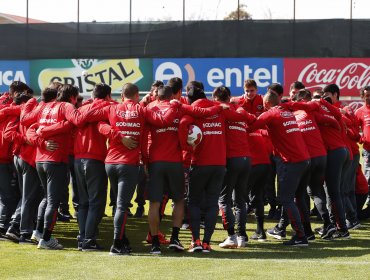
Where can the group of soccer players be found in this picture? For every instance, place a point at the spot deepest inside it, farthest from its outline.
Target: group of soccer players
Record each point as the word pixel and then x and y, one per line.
pixel 309 141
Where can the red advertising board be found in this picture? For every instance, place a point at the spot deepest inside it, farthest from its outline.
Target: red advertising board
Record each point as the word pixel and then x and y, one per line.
pixel 350 74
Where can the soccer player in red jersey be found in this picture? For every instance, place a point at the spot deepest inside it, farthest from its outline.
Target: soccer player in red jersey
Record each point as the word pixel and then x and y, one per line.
pixel 363 117
pixel 292 158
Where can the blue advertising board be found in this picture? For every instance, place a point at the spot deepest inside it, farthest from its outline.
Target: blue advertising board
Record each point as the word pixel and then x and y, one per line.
pixel 13 70
pixel 214 72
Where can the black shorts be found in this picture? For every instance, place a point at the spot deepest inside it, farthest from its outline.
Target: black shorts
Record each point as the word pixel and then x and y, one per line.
pixel 167 176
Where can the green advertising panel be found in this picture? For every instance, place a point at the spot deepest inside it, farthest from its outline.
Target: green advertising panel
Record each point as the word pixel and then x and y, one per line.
pixel 84 73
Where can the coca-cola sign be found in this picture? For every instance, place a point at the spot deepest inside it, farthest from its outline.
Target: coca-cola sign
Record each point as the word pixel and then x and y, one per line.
pixel 350 74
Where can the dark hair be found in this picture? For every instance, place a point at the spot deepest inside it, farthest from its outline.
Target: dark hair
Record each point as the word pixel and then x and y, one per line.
pixel 22 98
pixel 332 88
pixel 194 84
pixel 272 98
pixel 250 83
pixel 157 83
pixel 49 94
pixel 17 86
pixel 164 92
pixel 223 94
pixel 276 87
pixel 303 94
pixel 55 85
pixel 194 94
pixel 363 89
pixel 129 90
pixel 101 91
pixel 66 92
pixel 176 84
pixel 297 85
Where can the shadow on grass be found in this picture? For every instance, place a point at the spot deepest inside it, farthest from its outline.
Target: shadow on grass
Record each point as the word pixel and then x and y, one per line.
pixel 137 229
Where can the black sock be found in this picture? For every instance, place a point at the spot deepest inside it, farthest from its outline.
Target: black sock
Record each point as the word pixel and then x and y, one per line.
pixel 231 231
pixel 259 221
pixel 40 225
pixel 155 240
pixel 175 233
pixel 117 243
pixel 46 234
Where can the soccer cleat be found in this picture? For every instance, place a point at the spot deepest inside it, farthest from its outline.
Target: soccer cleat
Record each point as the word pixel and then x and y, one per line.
pixel 206 248
pixel 341 234
pixel 242 241
pixel 90 245
pixel 139 212
pixel 328 232
pixel 161 237
pixel 195 246
pixel 176 245
pixel 36 236
pixel 12 234
pixel 297 242
pixel 114 251
pixel 230 242
pixel 156 250
pixel 52 244
pixel 261 237
pixel 277 233
pixel 26 240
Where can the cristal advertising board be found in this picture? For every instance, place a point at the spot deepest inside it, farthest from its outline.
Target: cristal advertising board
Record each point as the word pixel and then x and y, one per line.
pixel 350 74
pixel 84 73
pixel 214 72
pixel 13 70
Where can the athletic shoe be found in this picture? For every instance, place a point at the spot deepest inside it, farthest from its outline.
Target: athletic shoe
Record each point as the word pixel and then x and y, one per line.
pixel 156 250
pixel 311 236
pixel 114 251
pixel 341 234
pixel 353 225
pixel 242 241
pixel 89 245
pixel 25 240
pixel 195 246
pixel 230 242
pixel 185 226
pixel 176 245
pixel 52 244
pixel 161 237
pixel 206 248
pixel 79 242
pixel 36 236
pixel 328 232
pixel 12 234
pixel 277 233
pixel 297 241
pixel 126 244
pixel 319 230
pixel 139 212
pixel 259 236
pixel 75 215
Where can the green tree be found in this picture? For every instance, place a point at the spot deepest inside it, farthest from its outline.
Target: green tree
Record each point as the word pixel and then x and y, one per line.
pixel 243 14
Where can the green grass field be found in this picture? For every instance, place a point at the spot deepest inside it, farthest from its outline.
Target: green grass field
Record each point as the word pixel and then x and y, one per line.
pixel 339 259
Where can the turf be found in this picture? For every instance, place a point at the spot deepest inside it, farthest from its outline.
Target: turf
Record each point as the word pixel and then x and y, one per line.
pixel 340 259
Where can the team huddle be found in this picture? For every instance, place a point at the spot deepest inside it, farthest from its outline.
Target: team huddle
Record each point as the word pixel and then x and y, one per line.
pixel 309 141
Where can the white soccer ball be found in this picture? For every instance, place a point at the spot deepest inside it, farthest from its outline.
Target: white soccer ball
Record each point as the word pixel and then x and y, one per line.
pixel 194 135
pixel 84 73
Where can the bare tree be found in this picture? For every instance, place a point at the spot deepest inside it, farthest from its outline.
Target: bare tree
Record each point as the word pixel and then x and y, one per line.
pixel 240 14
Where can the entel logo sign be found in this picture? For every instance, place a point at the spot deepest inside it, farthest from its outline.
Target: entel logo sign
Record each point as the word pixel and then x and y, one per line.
pixel 219 72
